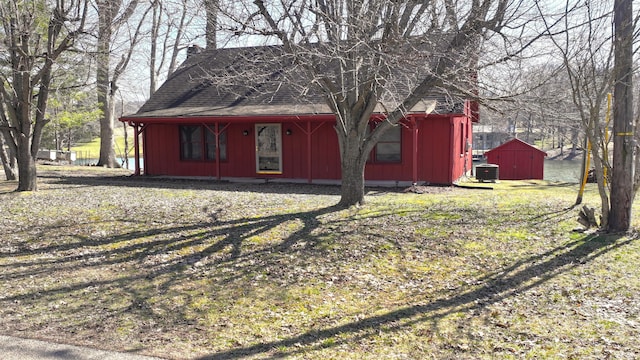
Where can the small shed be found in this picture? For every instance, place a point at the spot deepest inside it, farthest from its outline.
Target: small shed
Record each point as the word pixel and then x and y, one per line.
pixel 517 160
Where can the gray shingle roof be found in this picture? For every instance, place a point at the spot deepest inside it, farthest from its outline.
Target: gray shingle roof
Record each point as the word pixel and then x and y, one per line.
pixel 244 82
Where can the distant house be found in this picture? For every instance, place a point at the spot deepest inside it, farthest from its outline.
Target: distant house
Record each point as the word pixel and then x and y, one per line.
pixel 517 160
pixel 266 130
pixel 487 137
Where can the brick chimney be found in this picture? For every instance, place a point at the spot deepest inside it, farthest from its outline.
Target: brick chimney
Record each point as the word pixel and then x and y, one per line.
pixel 194 49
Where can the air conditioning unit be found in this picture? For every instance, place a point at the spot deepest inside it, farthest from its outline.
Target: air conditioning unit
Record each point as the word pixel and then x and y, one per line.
pixel 487 172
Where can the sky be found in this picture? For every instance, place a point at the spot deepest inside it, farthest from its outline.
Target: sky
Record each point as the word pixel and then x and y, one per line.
pixel 134 85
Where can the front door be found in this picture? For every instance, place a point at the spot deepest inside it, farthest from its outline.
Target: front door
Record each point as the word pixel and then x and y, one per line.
pixel 268 149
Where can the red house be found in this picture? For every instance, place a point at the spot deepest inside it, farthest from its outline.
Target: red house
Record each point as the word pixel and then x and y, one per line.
pixel 268 130
pixel 517 160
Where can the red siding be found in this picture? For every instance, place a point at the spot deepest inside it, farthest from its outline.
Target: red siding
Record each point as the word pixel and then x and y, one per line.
pixel 241 157
pixel 325 152
pixel 435 150
pixel 294 150
pixel 441 152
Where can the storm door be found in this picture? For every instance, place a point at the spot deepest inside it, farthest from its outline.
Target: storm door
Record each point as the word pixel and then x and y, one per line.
pixel 268 149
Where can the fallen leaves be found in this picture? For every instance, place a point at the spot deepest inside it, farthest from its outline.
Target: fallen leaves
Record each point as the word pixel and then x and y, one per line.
pixel 184 269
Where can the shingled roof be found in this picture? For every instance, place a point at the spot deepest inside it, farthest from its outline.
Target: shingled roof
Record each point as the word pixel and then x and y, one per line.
pixel 247 82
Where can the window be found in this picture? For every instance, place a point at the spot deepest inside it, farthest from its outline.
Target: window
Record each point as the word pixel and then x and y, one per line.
pixel 191 142
pixel 389 148
pixel 198 142
pixel 210 145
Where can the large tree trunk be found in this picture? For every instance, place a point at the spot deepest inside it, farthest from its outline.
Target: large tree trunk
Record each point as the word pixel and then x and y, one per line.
pixel 353 160
pixel 355 143
pixel 352 189
pixel 623 146
pixel 23 137
pixel 31 65
pixel 27 177
pixel 107 140
pixel 106 88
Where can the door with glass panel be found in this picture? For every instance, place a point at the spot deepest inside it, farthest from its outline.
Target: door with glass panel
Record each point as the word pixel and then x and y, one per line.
pixel 268 149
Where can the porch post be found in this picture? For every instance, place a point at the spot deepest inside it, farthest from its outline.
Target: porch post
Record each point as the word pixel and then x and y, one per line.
pixel 308 131
pixel 309 179
pixel 216 132
pixel 452 149
pixel 136 148
pixel 414 130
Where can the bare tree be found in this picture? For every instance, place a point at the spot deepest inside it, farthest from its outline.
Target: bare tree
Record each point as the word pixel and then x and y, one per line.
pixel 35 34
pixel 593 66
pixel 168 34
pixel 545 109
pixel 113 18
pixel 587 58
pixel 622 187
pixel 358 52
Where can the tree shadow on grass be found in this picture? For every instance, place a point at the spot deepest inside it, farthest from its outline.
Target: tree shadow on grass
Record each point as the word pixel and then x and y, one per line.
pixel 193 246
pixel 117 275
pixel 212 238
pixel 163 256
pixel 521 276
pixel 258 185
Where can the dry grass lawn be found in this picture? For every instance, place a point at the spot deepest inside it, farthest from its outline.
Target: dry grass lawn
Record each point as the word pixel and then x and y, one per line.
pixel 206 270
